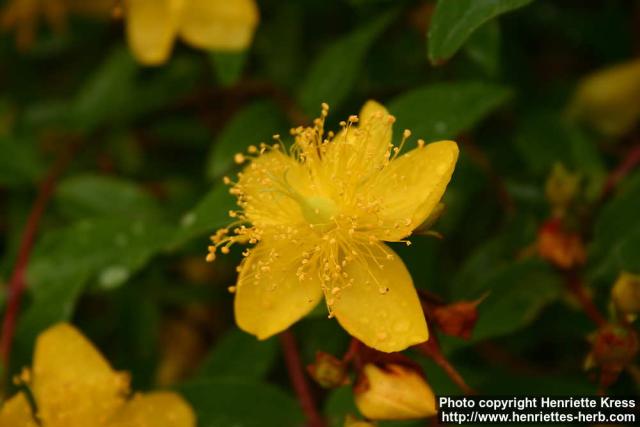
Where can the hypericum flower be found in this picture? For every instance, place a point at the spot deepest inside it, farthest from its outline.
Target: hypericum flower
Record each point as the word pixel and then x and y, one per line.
pixel 393 392
pixel 153 25
pixel 318 215
pixel 74 386
pixel 609 99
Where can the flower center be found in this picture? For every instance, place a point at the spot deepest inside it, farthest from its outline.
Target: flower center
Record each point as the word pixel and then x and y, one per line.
pixel 319 212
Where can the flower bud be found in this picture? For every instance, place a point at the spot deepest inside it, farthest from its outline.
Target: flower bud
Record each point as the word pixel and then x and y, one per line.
pixel 457 319
pixel 626 293
pixel 393 392
pixel 560 247
pixel 561 188
pixel 613 348
pixel 328 371
pixel 609 99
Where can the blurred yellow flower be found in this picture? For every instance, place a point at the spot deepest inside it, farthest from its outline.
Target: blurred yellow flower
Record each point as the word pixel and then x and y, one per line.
pixel 609 99
pixel 394 392
pixel 318 214
pixel 74 386
pixel 153 26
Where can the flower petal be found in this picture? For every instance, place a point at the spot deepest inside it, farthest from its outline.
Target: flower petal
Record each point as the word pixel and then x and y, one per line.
pixel 219 24
pixel 361 149
pixel 158 409
pixel 270 295
pixel 152 28
pixel 411 186
pixel 16 412
pixel 73 384
pixel 380 306
pixel 268 189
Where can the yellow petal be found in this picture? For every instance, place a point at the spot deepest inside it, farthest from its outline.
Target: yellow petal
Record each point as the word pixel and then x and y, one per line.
pixel 219 24
pixel 270 295
pixel 73 384
pixel 380 307
pixel 360 149
pixel 411 187
pixel 151 28
pixel 159 409
pixel 271 188
pixel 16 412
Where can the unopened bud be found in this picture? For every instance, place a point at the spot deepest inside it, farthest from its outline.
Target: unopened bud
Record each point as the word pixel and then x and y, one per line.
pixel 328 371
pixel 561 188
pixel 626 294
pixel 457 319
pixel 609 99
pixel 393 392
pixel 562 248
pixel 614 345
pixel 613 348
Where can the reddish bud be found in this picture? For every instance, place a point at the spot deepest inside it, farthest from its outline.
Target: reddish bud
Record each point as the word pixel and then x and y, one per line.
pixel 613 347
pixel 457 319
pixel 562 248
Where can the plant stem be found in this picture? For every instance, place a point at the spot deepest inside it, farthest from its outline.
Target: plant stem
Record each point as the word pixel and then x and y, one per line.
pixel 17 284
pixel 576 287
pixel 432 350
pixel 631 161
pixel 298 379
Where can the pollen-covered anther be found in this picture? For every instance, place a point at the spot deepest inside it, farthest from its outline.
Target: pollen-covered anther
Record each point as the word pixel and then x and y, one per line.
pixel 252 149
pixel 225 250
pixel 239 158
pixel 232 289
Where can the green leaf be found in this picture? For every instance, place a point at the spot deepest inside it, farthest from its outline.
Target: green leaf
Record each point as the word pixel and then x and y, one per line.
pixel 239 355
pixel 515 296
pixel 444 110
pixel 107 93
pixel 210 214
pixel 250 126
pixel 454 21
pixel 228 402
pixel 108 250
pixel 483 48
pixel 544 139
pixel 19 162
pixel 616 232
pixel 335 71
pixel 99 195
pixel 228 66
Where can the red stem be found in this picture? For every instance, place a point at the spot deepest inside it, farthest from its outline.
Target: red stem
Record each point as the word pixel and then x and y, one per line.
pixel 298 379
pixel 630 161
pixel 17 284
pixel 575 286
pixel 432 350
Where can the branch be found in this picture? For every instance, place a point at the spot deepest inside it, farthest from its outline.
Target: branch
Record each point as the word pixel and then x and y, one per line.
pixel 17 285
pixel 298 379
pixel 630 161
pixel 432 350
pixel 575 286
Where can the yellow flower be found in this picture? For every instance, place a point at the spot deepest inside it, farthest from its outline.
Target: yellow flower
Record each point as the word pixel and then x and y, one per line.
pixel 153 25
pixel 394 392
pixel 74 386
pixel 609 99
pixel 318 215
